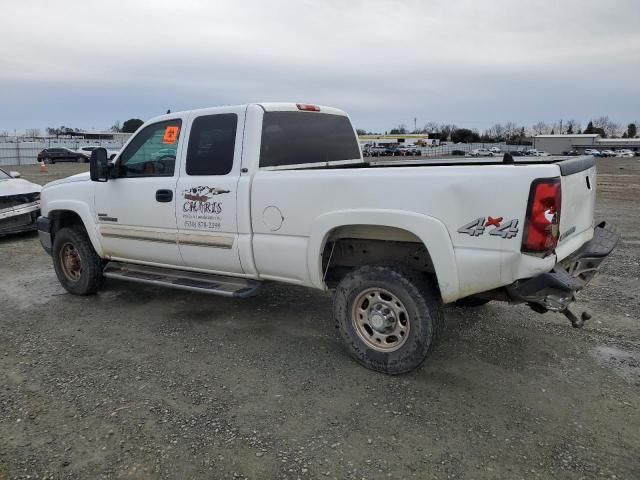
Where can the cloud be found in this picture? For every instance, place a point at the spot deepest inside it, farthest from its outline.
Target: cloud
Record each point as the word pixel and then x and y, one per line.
pixel 88 63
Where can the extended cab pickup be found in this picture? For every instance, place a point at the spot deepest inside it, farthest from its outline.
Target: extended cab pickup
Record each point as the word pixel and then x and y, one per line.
pixel 221 199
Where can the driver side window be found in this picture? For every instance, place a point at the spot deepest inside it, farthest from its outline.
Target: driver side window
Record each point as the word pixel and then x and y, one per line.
pixel 152 153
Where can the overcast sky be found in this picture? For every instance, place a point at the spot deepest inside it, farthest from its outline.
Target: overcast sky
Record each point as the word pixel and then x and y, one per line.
pixel 86 64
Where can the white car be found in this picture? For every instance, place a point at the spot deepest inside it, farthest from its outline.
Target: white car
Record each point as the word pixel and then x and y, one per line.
pixel 540 153
pixel 19 203
pixel 495 150
pixel 481 152
pixel 607 153
pixel 592 151
pixel 280 192
pixel 624 153
pixel 87 149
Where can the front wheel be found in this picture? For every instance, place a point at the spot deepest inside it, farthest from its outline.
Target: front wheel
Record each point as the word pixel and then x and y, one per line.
pixel 388 317
pixel 77 265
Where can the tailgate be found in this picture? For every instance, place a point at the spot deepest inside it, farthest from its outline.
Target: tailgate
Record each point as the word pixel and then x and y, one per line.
pixel 578 176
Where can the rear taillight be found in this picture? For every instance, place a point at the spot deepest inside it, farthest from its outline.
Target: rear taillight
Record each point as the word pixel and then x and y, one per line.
pixel 543 216
pixel 307 108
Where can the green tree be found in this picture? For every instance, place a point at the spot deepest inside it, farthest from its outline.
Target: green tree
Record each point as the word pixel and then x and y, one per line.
pixel 131 125
pixel 399 130
pixel 360 131
pixel 589 129
pixel 464 135
pixel 632 130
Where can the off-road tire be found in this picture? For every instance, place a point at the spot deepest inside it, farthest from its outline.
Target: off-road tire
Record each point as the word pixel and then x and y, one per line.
pixel 90 276
pixel 472 301
pixel 423 305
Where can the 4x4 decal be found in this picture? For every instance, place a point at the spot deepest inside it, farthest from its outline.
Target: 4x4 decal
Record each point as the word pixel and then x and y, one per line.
pixel 478 226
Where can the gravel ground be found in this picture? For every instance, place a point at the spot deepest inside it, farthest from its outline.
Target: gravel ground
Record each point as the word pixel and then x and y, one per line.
pixel 141 382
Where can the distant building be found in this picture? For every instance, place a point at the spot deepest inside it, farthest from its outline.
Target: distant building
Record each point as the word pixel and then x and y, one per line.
pixel 559 144
pixel 406 139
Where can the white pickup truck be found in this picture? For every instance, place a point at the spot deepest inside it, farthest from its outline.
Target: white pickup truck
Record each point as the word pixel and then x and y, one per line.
pixel 220 200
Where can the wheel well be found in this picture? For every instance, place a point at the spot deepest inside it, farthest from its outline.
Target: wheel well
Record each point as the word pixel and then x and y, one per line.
pixel 63 218
pixel 353 246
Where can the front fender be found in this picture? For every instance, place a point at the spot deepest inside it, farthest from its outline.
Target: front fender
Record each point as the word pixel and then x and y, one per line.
pixel 85 214
pixel 429 230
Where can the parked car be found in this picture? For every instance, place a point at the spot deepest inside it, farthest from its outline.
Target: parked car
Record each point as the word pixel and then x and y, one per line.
pixel 19 203
pixel 408 150
pixel 394 244
pixel 624 153
pixel 86 151
pixel 481 152
pixel 61 154
pixel 377 151
pixel 607 153
pixel 391 151
pixel 592 151
pixel 517 153
pixel 495 150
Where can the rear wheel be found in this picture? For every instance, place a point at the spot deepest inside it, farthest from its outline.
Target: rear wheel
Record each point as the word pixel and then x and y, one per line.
pixel 77 265
pixel 388 317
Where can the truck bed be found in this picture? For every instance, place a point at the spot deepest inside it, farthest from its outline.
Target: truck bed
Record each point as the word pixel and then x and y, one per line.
pixel 583 160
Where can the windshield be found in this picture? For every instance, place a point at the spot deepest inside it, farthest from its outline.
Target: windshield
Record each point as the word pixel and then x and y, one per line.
pixel 4 175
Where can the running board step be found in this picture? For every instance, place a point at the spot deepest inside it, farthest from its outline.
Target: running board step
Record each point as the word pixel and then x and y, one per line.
pixel 192 281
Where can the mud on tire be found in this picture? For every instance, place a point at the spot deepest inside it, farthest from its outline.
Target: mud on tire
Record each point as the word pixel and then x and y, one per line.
pixel 388 317
pixel 77 265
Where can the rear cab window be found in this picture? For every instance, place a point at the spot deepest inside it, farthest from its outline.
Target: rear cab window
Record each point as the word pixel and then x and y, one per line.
pixel 306 139
pixel 212 144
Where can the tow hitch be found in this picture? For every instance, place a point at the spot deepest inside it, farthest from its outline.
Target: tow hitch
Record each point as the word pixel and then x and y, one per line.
pixel 555 290
pixel 575 321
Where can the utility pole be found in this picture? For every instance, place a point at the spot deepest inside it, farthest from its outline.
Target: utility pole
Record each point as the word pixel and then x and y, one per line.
pixel 415 123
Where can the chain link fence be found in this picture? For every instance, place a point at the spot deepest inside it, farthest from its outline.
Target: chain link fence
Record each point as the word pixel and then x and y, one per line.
pixel 26 153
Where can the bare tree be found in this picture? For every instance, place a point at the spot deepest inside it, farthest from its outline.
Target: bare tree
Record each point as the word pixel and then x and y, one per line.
pixel 32 132
pixel 573 126
pixel 431 127
pixel 511 130
pixel 4 133
pixel 115 128
pixel 540 128
pixel 601 122
pixel 446 130
pixel 496 132
pixel 614 129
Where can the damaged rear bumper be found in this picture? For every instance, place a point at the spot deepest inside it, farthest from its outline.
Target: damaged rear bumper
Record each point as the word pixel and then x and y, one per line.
pixel 555 290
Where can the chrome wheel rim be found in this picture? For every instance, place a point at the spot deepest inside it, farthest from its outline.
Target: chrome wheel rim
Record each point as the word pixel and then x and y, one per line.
pixel 70 262
pixel 380 319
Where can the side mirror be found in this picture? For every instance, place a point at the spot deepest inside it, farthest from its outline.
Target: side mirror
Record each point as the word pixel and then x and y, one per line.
pixel 99 165
pixel 14 174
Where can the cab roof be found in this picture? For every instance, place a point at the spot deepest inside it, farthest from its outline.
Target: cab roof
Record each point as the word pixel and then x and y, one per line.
pixel 266 106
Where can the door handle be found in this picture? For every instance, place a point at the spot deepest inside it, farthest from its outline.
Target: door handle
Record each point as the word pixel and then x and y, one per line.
pixel 164 195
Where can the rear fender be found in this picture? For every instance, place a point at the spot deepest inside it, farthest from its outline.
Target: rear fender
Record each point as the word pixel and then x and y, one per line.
pixel 429 230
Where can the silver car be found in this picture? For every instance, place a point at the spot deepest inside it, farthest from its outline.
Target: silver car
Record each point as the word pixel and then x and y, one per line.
pixel 19 203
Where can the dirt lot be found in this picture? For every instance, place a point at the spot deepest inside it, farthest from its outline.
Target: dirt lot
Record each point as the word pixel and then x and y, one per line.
pixel 141 382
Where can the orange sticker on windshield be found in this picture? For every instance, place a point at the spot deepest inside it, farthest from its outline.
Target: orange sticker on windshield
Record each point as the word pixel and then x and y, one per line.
pixel 170 134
